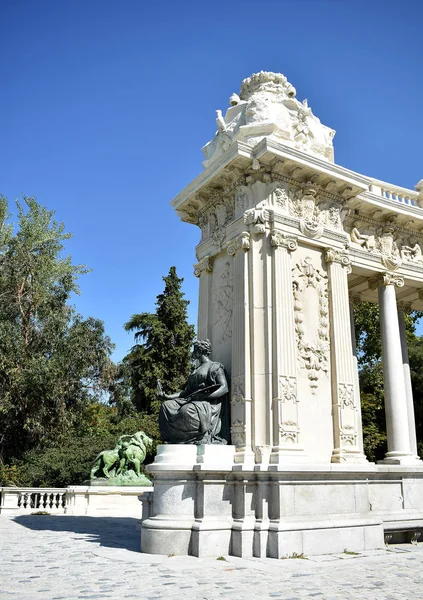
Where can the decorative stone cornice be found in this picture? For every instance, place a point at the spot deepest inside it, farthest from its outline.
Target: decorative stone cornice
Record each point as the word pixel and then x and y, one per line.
pixel 205 265
pixel 242 242
pixel 279 240
pixel 342 258
pixel 386 279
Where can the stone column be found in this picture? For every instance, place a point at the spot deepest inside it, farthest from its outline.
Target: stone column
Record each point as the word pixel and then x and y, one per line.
pixel 346 413
pixel 203 270
pixel 393 375
pixel 241 419
pixel 286 429
pixel 260 313
pixel 402 308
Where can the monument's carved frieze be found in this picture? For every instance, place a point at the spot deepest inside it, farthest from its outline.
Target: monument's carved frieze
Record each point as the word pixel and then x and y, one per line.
pixel 392 244
pixel 313 346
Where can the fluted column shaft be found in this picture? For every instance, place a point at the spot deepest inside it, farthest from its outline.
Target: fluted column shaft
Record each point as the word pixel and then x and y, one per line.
pixel 286 428
pixel 203 270
pixel 241 418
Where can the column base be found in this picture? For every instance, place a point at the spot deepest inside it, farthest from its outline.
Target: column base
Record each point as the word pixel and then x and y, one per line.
pixel 340 455
pixel 400 458
pixel 286 455
pixel 244 456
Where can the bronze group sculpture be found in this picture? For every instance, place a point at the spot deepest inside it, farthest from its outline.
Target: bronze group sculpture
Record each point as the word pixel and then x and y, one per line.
pixel 198 414
pixel 122 465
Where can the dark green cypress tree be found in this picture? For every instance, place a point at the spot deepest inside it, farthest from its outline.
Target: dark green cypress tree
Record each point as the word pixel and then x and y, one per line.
pixel 163 347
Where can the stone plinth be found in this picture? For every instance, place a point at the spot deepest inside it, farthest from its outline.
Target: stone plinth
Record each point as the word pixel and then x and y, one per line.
pixel 276 511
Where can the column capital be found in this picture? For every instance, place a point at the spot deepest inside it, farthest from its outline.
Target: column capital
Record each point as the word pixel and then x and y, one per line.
pixel 384 279
pixel 355 298
pixel 337 256
pixel 241 242
pixel 205 265
pixel 280 240
pixel 405 307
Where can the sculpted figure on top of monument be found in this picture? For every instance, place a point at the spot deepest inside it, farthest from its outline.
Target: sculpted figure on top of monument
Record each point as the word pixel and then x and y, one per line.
pixel 267 107
pixel 198 414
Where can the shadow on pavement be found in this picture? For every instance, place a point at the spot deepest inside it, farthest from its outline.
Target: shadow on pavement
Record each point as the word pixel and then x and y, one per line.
pixel 112 532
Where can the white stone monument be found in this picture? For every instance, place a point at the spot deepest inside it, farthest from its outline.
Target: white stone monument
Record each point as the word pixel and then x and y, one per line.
pixel 289 240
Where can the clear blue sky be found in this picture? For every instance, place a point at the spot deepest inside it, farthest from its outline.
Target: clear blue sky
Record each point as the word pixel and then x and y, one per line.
pixel 104 107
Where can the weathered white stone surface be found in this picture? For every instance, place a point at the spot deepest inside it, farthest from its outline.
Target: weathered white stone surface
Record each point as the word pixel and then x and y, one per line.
pixel 267 107
pixel 288 241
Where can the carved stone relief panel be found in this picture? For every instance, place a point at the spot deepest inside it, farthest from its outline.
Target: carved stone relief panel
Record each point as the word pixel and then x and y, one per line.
pixel 346 395
pixel 238 393
pixel 217 214
pixel 222 299
pixel 315 208
pixel 289 431
pixel 238 434
pixel 311 309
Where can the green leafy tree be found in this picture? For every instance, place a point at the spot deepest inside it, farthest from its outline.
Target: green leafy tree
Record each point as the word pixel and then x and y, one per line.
pixel 162 350
pixel 52 361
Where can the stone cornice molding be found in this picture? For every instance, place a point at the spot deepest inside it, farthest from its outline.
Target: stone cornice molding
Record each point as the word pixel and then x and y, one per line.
pixel 335 256
pixel 384 279
pixel 205 265
pixel 280 240
pixel 241 242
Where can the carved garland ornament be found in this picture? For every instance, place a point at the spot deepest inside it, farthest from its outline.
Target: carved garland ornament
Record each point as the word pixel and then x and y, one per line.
pixel 313 355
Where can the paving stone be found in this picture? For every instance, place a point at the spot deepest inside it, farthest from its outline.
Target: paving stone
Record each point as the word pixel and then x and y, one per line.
pixel 88 558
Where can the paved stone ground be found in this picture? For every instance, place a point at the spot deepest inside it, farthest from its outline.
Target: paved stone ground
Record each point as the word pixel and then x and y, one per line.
pixel 67 558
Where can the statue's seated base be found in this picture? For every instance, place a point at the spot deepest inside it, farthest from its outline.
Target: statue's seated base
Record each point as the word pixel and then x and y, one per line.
pixel 204 506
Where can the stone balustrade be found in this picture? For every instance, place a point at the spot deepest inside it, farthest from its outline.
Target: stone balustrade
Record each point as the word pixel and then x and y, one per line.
pixel 73 500
pixel 394 192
